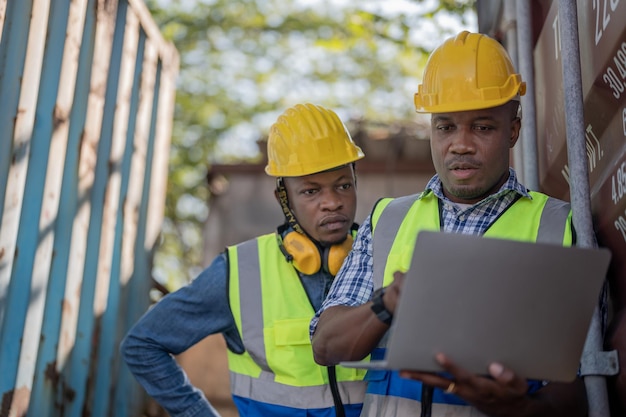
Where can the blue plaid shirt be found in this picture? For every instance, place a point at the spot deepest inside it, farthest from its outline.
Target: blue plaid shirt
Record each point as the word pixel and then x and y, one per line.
pixel 353 285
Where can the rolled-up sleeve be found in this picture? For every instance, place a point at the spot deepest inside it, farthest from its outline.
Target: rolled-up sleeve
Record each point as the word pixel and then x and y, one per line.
pixel 174 324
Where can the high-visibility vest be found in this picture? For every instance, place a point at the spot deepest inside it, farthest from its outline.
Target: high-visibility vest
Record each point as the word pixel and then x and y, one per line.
pixel 277 375
pixel 395 225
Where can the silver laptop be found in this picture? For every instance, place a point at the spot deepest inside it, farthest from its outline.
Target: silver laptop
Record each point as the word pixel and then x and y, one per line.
pixel 480 300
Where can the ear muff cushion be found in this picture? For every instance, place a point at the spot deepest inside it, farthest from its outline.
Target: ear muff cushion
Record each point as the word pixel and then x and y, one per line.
pixel 337 254
pixel 306 256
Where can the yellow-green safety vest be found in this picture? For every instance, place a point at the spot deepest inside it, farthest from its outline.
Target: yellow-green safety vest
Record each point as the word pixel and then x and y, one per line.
pixel 395 225
pixel 272 313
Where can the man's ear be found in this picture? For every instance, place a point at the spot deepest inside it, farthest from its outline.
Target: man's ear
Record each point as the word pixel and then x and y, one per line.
pixel 516 126
pixel 353 166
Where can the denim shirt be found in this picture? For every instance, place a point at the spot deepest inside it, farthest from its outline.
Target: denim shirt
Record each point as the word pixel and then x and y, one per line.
pixel 180 320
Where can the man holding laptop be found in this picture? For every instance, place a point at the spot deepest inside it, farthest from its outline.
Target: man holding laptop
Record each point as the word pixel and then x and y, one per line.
pixel 472 91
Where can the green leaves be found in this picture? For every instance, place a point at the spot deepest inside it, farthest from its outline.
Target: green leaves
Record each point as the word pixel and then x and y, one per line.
pixel 244 61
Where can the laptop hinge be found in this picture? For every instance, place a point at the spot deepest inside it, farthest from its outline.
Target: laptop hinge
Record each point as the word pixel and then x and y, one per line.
pixel 599 363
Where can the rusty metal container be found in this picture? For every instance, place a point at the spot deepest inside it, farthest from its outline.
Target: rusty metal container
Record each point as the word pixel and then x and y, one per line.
pixel 86 104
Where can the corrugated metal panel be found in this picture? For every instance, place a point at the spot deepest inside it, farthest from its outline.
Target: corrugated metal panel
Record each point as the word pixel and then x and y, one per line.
pixel 578 58
pixel 87 87
pixel 603 65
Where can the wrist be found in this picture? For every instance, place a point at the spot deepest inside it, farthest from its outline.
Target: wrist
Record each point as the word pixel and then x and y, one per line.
pixel 379 308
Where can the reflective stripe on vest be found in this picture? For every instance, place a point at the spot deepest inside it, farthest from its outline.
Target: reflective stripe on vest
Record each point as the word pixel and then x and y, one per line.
pixel 395 211
pixel 381 406
pixel 270 392
pixel 273 316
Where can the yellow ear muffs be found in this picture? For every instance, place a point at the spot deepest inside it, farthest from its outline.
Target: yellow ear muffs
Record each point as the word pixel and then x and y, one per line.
pixel 306 258
pixel 336 255
pixel 305 255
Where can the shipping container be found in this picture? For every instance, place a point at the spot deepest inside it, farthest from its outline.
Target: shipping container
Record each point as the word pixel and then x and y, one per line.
pixel 573 57
pixel 87 93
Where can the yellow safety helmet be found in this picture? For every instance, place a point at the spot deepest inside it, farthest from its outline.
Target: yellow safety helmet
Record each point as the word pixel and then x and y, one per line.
pixel 469 71
pixel 307 139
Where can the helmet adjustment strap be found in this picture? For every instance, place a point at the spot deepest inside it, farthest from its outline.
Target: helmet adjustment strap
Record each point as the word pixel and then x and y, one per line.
pixel 283 199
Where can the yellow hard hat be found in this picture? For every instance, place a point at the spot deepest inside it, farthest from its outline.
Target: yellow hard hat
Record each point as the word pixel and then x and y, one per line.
pixel 307 139
pixel 469 71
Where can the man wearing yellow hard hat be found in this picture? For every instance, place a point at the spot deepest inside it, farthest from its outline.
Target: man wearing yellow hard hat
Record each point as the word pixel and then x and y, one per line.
pixel 472 91
pixel 262 293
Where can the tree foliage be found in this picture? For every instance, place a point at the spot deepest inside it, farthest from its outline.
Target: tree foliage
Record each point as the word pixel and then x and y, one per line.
pixel 244 61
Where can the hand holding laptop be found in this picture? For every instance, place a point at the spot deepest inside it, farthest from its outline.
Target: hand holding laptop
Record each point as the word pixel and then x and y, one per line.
pixel 501 386
pixel 493 300
pixel 456 378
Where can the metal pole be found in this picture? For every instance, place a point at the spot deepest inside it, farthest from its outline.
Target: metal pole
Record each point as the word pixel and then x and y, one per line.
pixel 509 27
pixel 529 116
pixel 579 182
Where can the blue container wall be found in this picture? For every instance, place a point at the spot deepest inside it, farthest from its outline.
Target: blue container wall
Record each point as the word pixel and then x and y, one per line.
pixel 86 105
